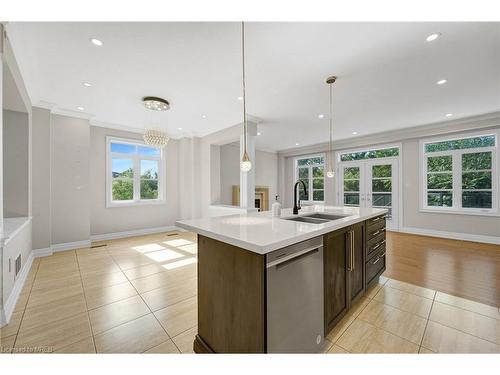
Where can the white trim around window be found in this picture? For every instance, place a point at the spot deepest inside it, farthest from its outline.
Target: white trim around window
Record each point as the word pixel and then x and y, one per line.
pixel 136 158
pixel 456 171
pixel 310 167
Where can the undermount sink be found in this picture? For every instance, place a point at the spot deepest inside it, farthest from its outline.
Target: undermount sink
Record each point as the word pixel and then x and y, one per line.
pixel 317 218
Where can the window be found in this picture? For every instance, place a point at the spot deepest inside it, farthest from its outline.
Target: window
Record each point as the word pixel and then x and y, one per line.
pixel 460 174
pixel 311 170
pixel 134 173
pixel 370 154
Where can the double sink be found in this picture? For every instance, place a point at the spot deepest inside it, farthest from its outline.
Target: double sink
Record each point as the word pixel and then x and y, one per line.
pixel 316 218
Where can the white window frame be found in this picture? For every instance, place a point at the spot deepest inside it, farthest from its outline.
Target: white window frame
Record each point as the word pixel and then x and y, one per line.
pixel 311 189
pixel 136 159
pixel 457 174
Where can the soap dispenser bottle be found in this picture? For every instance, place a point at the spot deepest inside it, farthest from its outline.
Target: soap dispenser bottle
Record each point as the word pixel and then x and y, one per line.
pixel 276 207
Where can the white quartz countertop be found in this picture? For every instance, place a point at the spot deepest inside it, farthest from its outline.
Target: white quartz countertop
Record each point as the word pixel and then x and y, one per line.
pixel 261 233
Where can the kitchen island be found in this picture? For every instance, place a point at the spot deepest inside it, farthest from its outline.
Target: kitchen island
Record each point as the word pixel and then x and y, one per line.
pixel 270 285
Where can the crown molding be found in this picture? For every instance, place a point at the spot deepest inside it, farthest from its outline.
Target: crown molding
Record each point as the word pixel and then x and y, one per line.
pixel 71 113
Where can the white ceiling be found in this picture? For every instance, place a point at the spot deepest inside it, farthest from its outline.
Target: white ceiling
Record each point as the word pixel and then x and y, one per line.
pixel 387 74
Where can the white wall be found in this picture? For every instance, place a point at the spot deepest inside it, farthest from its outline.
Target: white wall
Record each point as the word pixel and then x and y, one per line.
pixel 120 219
pixel 409 138
pixel 70 196
pixel 266 172
pixel 41 172
pixel 15 164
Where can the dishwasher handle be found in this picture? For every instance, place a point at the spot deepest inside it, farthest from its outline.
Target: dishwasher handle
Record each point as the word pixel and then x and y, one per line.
pixel 294 257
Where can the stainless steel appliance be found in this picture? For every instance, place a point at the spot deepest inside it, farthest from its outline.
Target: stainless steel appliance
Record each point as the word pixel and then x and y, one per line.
pixel 295 322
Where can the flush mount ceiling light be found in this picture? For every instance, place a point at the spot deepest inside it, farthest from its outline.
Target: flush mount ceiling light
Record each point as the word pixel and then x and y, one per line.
pixel 96 42
pixel 297 144
pixel 155 135
pixel 330 81
pixel 449 114
pixel 321 115
pixel 433 37
pixel 80 108
pixel 203 116
pixel 245 163
pixel 441 82
pixel 354 133
pixel 86 84
pixel 240 98
pixel 259 133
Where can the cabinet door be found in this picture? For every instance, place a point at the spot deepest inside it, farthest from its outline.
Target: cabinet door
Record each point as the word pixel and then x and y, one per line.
pixel 335 277
pixel 356 265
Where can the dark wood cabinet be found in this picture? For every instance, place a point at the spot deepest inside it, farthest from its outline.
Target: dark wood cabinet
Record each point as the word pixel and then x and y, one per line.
pixel 356 275
pixel 335 253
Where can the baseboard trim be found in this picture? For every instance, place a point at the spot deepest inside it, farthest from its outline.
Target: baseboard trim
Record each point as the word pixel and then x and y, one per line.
pixel 132 233
pixel 10 304
pixel 452 235
pixel 70 246
pixel 38 253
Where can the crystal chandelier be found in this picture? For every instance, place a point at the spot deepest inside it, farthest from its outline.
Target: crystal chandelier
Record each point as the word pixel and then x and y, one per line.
pixel 154 135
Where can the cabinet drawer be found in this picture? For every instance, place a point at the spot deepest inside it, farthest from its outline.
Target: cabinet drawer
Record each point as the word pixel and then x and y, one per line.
pixel 376 221
pixel 375 265
pixel 375 231
pixel 376 244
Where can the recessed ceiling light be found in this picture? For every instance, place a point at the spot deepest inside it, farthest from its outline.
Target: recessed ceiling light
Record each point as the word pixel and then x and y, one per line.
pixel 432 37
pixel 86 84
pixel 354 133
pixel 203 116
pixel 321 115
pixel 179 128
pixel 441 82
pixel 240 98
pixel 297 144
pixel 80 108
pixel 96 42
pixel 259 133
pixel 449 114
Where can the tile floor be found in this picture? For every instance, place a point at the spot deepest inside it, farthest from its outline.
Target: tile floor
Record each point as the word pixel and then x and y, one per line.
pixel 138 295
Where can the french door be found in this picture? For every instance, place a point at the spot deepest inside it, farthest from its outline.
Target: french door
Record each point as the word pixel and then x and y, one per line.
pixel 371 183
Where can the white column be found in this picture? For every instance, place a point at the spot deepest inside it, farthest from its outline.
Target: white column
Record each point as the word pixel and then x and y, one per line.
pixel 247 179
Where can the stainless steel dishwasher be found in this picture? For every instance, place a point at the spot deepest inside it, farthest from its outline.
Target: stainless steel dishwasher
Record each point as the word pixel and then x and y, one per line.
pixel 295 321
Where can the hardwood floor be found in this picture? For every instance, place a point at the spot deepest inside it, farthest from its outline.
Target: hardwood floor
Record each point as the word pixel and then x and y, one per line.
pixel 465 269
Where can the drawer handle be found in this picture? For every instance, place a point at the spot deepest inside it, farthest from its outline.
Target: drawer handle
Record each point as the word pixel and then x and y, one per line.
pixel 382 254
pixel 376 233
pixel 375 262
pixel 376 219
pixel 378 245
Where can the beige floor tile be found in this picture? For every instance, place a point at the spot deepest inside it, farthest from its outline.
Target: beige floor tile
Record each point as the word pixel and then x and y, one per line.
pixel 114 314
pixel 58 259
pixel 442 339
pixel 56 335
pixel 185 340
pixel 390 319
pixel 405 301
pixel 7 343
pixel 347 320
pixel 48 295
pixel 335 349
pixel 55 267
pixel 22 301
pixel 126 263
pixel 414 289
pixel 480 308
pixel 168 347
pixel 61 273
pixel 49 284
pixel 86 346
pixel 373 290
pixel 466 321
pixel 91 270
pixel 143 271
pixel 100 296
pixel 163 297
pixel 327 344
pixel 13 326
pixel 163 279
pixel 135 336
pixel 53 311
pixel 362 337
pixel 179 317
pixel 423 350
pixel 103 279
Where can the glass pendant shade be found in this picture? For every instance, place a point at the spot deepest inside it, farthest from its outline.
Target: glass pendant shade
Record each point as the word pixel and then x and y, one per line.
pixel 245 164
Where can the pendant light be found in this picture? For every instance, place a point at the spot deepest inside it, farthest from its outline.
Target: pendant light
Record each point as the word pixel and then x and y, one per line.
pixel 330 173
pixel 245 164
pixel 155 135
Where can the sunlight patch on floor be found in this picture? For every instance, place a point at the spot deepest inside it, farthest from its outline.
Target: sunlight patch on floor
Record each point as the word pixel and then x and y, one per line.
pixel 180 263
pixel 178 242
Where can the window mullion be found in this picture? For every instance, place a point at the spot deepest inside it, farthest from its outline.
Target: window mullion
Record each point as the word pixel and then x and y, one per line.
pixel 137 178
pixel 457 179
